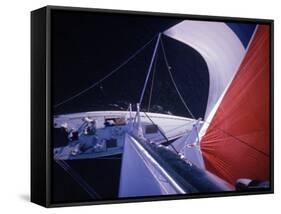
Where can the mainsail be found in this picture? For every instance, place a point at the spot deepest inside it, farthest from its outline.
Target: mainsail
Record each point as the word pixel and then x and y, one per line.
pixel 236 144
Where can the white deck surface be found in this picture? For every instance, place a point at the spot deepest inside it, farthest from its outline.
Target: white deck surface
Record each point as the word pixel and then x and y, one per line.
pixel 172 126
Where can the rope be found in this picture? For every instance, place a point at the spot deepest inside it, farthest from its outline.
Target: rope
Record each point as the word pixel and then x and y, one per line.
pixel 105 77
pixel 171 76
pixel 169 70
pixel 173 81
pixel 162 133
pixel 239 140
pixel 156 126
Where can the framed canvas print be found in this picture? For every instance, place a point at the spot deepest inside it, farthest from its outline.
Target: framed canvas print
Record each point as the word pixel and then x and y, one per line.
pixel 139 106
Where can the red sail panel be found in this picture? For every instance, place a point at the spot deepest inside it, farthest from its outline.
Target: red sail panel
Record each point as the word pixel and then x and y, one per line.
pixel 236 144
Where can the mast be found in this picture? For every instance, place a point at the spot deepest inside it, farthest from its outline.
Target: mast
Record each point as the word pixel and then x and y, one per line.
pixel 137 131
pixel 150 67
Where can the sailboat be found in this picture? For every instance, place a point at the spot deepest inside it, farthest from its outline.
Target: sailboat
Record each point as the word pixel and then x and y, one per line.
pixel 169 155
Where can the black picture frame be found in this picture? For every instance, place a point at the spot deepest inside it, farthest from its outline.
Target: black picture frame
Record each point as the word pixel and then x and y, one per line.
pixel 41 111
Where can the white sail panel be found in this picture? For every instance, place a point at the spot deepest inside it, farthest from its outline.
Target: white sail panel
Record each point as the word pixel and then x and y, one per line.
pixel 141 175
pixel 221 49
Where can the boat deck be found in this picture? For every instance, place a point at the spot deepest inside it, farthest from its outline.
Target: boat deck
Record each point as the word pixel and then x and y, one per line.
pixel 108 139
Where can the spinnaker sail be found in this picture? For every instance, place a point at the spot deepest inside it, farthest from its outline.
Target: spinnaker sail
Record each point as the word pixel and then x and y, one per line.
pixel 236 144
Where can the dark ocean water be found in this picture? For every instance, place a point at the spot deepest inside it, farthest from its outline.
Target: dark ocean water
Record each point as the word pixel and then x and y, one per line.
pixel 86 47
pixel 101 174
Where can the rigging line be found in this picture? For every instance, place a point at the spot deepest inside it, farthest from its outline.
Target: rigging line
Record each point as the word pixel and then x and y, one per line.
pixel 127 111
pixel 173 81
pixel 150 68
pixel 162 133
pixel 152 83
pixel 174 148
pixel 239 140
pixel 169 70
pixel 79 179
pixel 93 194
pixel 106 76
pixel 156 126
